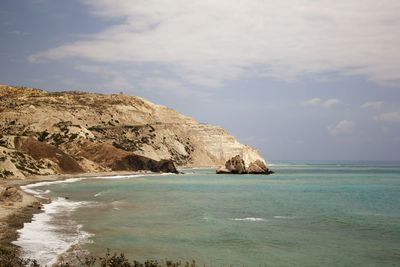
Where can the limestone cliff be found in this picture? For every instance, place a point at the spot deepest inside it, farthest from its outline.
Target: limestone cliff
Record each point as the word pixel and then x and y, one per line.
pixel 69 132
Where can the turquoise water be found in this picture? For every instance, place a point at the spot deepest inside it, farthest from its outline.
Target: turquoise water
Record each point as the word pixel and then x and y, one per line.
pixel 315 214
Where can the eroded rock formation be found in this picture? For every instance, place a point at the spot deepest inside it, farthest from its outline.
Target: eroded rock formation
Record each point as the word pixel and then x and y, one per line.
pixel 237 165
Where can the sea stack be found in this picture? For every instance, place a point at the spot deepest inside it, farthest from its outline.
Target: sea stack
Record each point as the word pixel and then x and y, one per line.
pixel 237 165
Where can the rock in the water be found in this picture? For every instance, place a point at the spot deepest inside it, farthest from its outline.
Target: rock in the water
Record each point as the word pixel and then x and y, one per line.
pixel 237 165
pixel 222 170
pixel 258 167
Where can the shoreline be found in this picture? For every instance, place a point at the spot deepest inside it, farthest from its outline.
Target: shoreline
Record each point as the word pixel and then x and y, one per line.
pixel 14 213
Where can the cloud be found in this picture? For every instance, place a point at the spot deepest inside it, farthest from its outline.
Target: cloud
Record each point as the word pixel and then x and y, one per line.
pixel 107 78
pixel 389 117
pixel 162 85
pixel 318 102
pixel 331 102
pixel 342 127
pixel 208 42
pixel 372 105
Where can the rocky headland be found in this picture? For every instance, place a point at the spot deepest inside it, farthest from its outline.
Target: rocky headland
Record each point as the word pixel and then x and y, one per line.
pixel 45 133
pixel 47 136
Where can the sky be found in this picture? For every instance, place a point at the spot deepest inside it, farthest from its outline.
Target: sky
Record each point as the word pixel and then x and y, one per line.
pixel 297 79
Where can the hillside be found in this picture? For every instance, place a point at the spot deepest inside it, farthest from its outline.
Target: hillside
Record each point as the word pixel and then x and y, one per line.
pixel 71 132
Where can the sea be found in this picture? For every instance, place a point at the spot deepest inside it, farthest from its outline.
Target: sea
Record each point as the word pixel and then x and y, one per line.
pixel 306 214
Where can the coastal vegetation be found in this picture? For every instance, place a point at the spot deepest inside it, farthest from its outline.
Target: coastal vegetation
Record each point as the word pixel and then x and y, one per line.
pixel 9 257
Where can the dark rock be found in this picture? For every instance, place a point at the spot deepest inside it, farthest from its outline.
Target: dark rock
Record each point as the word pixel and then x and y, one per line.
pixel 222 171
pixel 135 163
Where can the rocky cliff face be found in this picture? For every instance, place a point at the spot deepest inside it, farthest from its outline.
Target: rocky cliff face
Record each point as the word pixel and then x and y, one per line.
pixel 69 132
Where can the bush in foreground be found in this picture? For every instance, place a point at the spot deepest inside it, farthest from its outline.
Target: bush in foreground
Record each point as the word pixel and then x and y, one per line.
pixel 10 258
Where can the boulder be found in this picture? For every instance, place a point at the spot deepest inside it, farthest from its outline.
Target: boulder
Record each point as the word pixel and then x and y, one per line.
pixel 258 167
pixel 236 165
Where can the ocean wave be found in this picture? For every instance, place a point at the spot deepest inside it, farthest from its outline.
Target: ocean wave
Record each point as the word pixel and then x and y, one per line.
pixel 283 217
pixel 133 176
pixel 165 173
pixel 29 188
pixel 52 232
pixel 119 176
pixel 250 219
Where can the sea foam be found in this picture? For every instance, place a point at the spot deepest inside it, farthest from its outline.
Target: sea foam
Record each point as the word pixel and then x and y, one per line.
pixel 251 219
pixel 39 193
pixel 119 176
pixel 51 232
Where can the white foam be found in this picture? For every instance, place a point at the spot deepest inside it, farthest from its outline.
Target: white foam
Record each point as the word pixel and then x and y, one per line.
pixel 98 194
pixel 119 176
pixel 30 187
pixel 251 219
pixel 51 232
pixel 283 217
pixel 132 176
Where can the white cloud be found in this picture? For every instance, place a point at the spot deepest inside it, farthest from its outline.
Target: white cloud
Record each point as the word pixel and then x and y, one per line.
pixel 114 79
pixel 390 117
pixel 372 105
pixel 162 85
pixel 318 102
pixel 209 41
pixel 342 127
pixel 331 103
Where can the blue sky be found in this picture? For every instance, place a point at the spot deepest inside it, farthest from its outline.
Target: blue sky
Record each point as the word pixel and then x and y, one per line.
pixel 298 79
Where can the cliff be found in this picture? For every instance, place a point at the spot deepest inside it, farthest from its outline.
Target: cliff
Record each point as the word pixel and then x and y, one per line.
pixel 70 132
